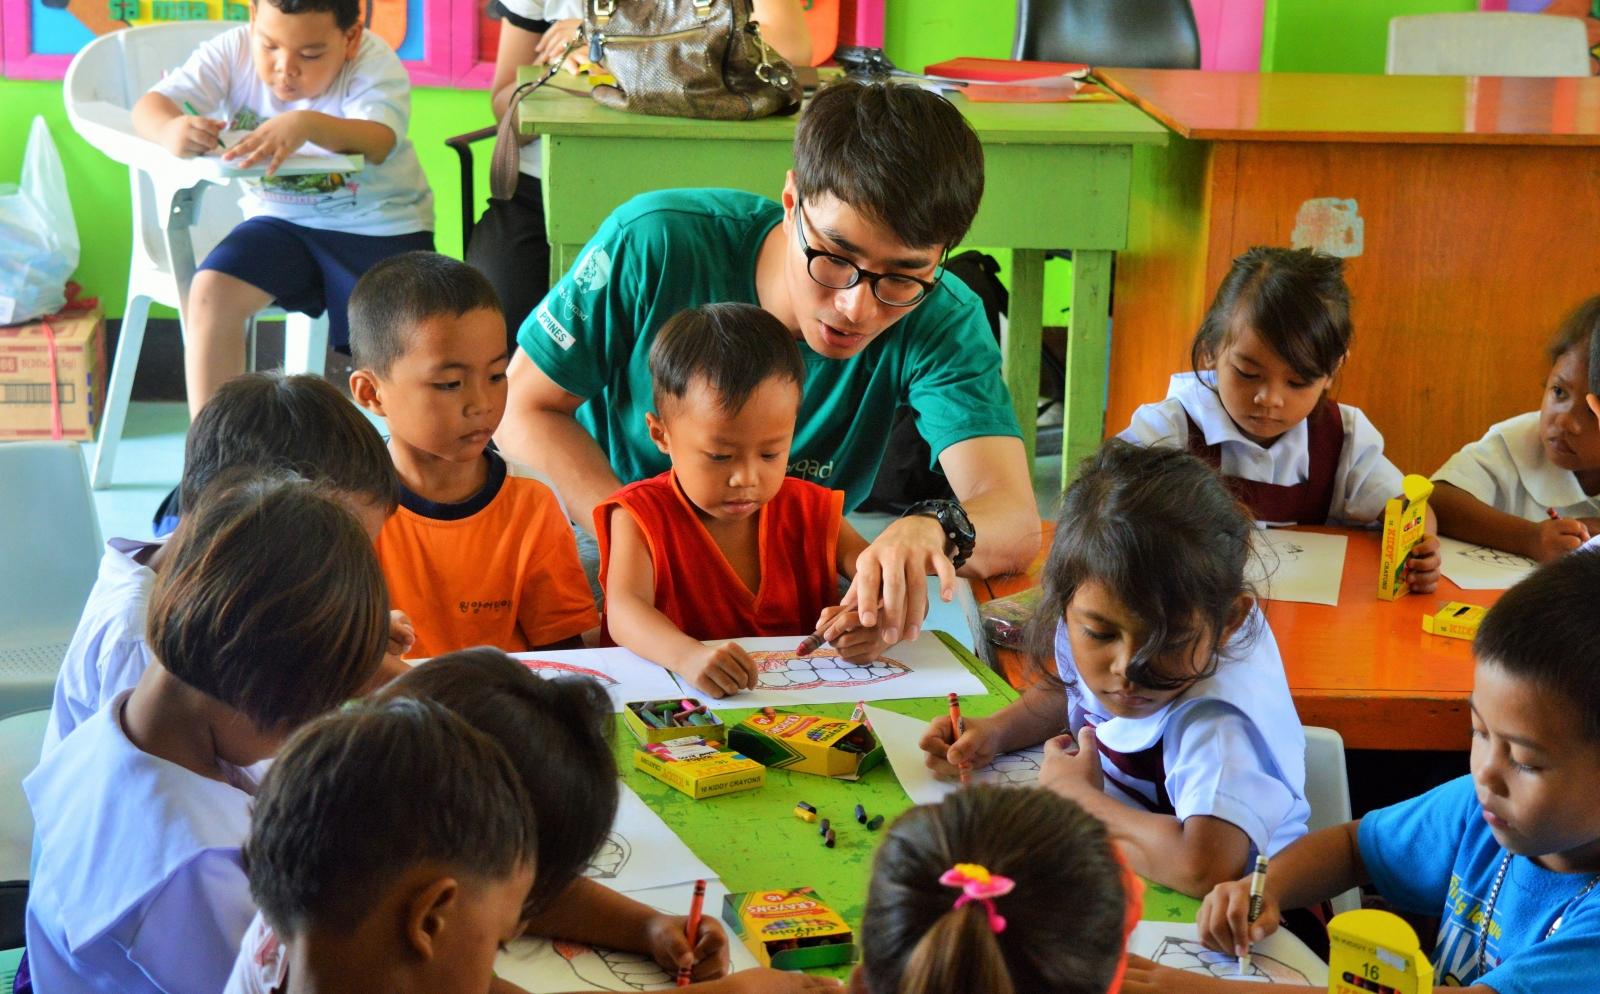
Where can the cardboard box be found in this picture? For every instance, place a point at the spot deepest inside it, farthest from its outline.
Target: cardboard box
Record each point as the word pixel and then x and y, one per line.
pixel 645 732
pixel 1455 620
pixel 1404 521
pixel 808 743
pixel 713 776
pixel 789 929
pixel 80 376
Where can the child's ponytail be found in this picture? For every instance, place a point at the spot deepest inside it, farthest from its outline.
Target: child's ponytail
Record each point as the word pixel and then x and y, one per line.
pixel 959 953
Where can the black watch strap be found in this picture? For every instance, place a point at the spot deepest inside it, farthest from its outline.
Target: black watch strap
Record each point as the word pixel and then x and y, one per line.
pixel 952 517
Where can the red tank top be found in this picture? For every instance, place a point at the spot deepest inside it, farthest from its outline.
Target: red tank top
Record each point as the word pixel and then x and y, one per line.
pixel 698 589
pixel 1306 503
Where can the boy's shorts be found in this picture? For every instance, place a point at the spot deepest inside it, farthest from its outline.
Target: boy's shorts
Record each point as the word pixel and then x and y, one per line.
pixel 308 270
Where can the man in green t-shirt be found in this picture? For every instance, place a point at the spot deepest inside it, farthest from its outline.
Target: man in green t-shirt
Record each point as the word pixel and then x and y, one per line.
pixel 887 178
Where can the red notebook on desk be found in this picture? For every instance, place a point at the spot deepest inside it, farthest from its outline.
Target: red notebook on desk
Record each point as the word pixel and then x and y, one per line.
pixel 1003 70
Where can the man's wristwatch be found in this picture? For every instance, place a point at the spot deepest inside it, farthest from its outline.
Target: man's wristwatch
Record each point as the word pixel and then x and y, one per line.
pixel 952 518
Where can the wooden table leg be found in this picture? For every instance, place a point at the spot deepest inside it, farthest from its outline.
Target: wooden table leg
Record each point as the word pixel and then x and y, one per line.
pixel 1023 338
pixel 1088 347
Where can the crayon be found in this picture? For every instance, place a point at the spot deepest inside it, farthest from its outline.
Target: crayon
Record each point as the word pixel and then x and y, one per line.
pixel 861 814
pixel 1554 514
pixel 957 729
pixel 189 108
pixel 823 828
pixel 805 812
pixel 692 931
pixel 875 824
pixel 829 839
pixel 1258 893
pixel 649 718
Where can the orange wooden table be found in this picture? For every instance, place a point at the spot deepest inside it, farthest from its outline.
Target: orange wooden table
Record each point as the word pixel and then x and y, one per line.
pixel 1364 668
pixel 1474 239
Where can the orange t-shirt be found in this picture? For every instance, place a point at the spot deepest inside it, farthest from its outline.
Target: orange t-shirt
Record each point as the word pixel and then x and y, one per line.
pixel 500 568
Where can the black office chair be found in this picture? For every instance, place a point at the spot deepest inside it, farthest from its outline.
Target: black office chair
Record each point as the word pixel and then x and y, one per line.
pixel 462 144
pixel 1149 34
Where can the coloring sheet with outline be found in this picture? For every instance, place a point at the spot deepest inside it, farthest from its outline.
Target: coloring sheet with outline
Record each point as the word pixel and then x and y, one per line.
pixel 642 852
pixel 1478 567
pixel 1280 958
pixel 1296 566
pixel 923 668
pixel 543 965
pixel 900 735
pixel 626 677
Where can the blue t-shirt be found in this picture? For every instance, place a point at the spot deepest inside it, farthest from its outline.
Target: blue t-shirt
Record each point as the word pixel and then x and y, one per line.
pixel 662 252
pixel 1434 854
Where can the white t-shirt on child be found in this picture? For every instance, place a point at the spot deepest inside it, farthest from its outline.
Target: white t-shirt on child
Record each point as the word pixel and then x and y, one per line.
pixel 387 198
pixel 139 887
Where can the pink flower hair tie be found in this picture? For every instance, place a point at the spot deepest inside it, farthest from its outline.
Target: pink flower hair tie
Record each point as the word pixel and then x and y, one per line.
pixel 978 885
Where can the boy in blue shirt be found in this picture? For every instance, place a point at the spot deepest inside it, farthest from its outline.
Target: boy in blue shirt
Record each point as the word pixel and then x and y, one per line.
pixel 1515 845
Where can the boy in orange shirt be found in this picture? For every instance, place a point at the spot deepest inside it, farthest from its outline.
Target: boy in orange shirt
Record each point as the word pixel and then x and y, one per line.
pixel 479 553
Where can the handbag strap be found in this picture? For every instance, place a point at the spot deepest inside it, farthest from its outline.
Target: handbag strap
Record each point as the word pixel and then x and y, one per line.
pixel 506 162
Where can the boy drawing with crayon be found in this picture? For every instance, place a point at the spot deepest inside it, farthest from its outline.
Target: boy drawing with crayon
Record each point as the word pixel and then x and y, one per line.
pixel 724 545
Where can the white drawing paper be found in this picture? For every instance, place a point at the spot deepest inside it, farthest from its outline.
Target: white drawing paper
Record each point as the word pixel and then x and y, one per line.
pixel 923 668
pixel 642 853
pixel 543 965
pixel 1478 567
pixel 900 735
pixel 625 676
pixel 1296 566
pixel 309 159
pixel 1280 958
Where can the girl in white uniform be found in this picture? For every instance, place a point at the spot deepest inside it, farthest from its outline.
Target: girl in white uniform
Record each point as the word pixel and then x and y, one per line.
pixel 269 609
pixel 1499 491
pixel 1188 745
pixel 1255 406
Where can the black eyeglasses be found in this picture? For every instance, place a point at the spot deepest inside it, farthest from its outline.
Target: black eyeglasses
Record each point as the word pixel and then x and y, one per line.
pixel 837 273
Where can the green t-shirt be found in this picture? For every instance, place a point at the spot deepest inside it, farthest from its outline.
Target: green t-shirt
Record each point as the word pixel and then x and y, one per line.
pixel 662 252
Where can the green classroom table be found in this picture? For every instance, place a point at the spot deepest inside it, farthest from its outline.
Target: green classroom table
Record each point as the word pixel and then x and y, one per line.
pixel 753 840
pixel 1057 176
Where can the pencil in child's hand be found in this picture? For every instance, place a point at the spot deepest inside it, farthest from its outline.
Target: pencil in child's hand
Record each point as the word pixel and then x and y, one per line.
pixel 1258 895
pixel 685 973
pixel 957 729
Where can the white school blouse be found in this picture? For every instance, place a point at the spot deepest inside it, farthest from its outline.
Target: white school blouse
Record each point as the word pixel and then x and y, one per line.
pixel 138 886
pixel 108 653
pixel 1508 470
pixel 1364 481
pixel 1231 745
pixel 262 965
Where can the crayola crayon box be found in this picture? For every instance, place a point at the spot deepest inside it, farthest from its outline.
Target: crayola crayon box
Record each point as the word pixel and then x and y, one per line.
pixel 808 743
pixel 1404 525
pixel 658 721
pixel 789 929
pixel 699 768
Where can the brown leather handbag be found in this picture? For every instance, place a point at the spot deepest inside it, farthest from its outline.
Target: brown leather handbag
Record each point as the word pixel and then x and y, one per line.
pixel 672 58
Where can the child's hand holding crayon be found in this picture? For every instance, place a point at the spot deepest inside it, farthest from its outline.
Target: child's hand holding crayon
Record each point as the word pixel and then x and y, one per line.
pixel 1224 920
pixel 189 135
pixel 856 642
pixel 719 670
pixel 946 752
pixel 667 942
pixel 1557 536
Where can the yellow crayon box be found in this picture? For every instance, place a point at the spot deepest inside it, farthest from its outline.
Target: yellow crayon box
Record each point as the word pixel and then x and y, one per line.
pixel 808 743
pixel 1455 620
pixel 658 721
pixel 789 929
pixel 716 773
pixel 1375 952
pixel 1404 525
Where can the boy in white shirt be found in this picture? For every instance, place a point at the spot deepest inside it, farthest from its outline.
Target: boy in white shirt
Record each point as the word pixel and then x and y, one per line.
pixel 302 73
pixel 1501 490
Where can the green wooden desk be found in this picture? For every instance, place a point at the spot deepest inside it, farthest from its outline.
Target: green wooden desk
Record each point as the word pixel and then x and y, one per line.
pixel 1057 176
pixel 753 840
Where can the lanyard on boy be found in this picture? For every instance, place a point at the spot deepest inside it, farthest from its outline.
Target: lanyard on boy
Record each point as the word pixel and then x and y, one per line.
pixel 1494 895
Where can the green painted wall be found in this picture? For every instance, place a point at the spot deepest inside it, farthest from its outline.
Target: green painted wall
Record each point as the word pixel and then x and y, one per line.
pixel 1337 35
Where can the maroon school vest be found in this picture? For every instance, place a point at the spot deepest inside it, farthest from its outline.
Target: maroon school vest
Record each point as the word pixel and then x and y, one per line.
pixel 1147 764
pixel 1306 503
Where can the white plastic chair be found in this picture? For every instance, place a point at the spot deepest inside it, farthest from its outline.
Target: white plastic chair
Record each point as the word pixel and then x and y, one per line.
pixel 50 550
pixel 1487 44
pixel 1328 792
pixel 171 227
pixel 21 738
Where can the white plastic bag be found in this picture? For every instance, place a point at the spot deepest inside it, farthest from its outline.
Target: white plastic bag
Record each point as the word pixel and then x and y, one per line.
pixel 38 237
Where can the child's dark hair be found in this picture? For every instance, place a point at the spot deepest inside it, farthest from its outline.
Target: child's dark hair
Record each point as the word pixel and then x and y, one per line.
pixel 394 296
pixel 298 424
pixel 1580 330
pixel 1295 300
pixel 558 735
pixel 1162 532
pixel 1542 630
pixel 345 12
pixel 361 796
pixel 1065 920
pixel 270 600
pixel 900 155
pixel 734 347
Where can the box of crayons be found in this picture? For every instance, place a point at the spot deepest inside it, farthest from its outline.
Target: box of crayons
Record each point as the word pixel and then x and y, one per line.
pixel 1455 620
pixel 807 743
pixel 698 767
pixel 658 721
pixel 789 929
pixel 1404 525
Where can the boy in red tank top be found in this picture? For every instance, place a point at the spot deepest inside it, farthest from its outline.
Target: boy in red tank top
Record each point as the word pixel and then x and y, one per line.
pixel 724 545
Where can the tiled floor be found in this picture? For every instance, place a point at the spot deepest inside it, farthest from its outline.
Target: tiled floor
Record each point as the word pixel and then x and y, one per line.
pixel 150 460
